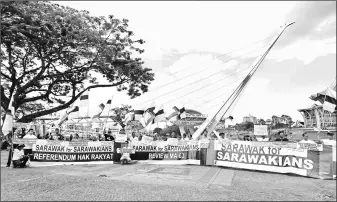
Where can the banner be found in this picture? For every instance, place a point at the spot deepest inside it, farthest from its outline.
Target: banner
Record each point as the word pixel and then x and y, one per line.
pixel 147 140
pixel 121 137
pixel 45 150
pixel 314 161
pixel 172 141
pixel 162 150
pixel 261 130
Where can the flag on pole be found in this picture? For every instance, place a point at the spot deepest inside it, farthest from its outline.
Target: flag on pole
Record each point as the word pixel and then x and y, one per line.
pixel 65 114
pixel 174 115
pixel 182 113
pixel 128 117
pixel 148 115
pixel 84 105
pixel 329 103
pixel 107 108
pixel 8 122
pixel 138 114
pixel 98 111
pixel 74 113
pixel 159 115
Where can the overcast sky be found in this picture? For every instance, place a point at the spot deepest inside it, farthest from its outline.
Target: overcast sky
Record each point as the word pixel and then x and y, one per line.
pixel 191 38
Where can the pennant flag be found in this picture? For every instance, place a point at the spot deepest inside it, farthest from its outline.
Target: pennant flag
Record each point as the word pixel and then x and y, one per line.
pixel 148 115
pixel 151 108
pixel 159 115
pixel 182 113
pixel 84 105
pixel 74 113
pixel 174 114
pixel 128 117
pixel 98 111
pixel 8 122
pixel 138 114
pixel 107 108
pixel 65 114
pixel 149 118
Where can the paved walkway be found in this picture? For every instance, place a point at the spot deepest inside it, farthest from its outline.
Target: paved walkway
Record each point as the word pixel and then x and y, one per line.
pixel 148 182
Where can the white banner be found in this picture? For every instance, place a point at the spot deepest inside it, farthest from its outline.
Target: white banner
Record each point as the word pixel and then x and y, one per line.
pixel 261 130
pixel 147 140
pixel 121 137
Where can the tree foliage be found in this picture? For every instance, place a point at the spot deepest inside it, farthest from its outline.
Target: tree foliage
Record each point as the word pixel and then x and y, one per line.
pixel 247 126
pixel 170 129
pixel 51 54
pixel 118 114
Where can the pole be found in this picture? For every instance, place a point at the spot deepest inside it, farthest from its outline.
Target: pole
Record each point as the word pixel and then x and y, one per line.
pixel 211 122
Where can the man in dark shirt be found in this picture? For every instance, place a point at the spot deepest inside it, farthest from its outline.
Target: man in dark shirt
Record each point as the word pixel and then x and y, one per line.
pixel 9 140
pixel 109 137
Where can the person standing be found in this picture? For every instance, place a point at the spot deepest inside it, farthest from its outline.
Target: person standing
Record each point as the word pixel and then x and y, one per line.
pixel 306 139
pixel 330 141
pixel 9 139
pixel 30 135
pixel 133 137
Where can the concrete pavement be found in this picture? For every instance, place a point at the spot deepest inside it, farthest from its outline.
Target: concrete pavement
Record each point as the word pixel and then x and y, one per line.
pixel 148 182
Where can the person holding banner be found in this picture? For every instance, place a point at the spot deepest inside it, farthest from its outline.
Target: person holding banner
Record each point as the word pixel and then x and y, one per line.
pixel 10 143
pixel 19 159
pixel 108 136
pixel 306 139
pixel 30 134
pixel 330 141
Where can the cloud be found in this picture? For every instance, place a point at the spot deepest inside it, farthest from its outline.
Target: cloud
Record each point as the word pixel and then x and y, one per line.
pixel 302 62
pixel 305 50
pixel 309 15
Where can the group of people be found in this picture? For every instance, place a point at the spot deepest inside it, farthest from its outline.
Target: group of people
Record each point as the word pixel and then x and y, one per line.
pixel 31 134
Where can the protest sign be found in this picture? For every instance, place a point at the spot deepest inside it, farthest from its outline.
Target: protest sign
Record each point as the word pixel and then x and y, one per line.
pixel 275 158
pixel 204 144
pixel 172 141
pixel 72 151
pixel 125 150
pixel 146 140
pixel 261 130
pixel 162 150
pixel 121 137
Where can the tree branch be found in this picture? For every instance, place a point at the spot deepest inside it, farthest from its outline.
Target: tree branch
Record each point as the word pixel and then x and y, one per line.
pixel 31 117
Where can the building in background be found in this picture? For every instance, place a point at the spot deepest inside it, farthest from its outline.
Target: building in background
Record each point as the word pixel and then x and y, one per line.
pixel 326 119
pixel 250 118
pixel 322 116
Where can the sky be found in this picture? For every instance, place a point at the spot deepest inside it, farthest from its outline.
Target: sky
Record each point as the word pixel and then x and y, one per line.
pixel 196 40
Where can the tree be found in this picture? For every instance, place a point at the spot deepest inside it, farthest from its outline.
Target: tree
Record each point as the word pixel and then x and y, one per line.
pixel 262 122
pixel 170 129
pixel 52 54
pixel 118 114
pixel 157 130
pixel 275 119
pixel 288 119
